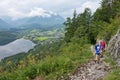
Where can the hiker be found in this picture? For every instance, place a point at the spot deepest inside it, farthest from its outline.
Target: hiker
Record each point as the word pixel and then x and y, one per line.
pixel 103 45
pixel 97 51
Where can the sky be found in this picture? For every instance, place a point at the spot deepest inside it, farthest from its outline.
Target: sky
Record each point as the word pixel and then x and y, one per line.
pixel 24 8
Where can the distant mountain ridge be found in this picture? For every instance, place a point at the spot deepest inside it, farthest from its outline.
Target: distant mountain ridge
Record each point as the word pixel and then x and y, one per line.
pixel 39 21
pixel 4 25
pixel 37 18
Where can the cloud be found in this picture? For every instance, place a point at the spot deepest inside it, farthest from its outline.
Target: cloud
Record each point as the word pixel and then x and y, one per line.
pixel 40 12
pixel 92 4
pixel 14 14
pixel 21 8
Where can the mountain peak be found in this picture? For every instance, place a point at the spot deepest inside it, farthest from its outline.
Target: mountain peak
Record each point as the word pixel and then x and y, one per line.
pixel 41 12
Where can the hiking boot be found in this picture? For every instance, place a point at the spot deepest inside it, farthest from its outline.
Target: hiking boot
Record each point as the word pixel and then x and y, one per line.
pixel 101 56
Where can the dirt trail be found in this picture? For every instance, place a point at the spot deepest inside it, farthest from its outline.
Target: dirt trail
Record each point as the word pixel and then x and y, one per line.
pixel 91 71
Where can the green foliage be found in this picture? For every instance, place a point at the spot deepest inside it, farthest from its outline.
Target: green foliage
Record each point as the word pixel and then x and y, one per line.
pixel 113 75
pixel 115 70
pixel 80 21
pixel 105 21
pixel 108 30
pixel 51 67
pixel 107 11
pixel 110 60
pixel 31 72
pixel 43 38
pixel 6 37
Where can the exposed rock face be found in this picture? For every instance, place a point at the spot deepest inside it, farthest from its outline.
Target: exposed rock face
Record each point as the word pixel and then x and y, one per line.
pixel 114 45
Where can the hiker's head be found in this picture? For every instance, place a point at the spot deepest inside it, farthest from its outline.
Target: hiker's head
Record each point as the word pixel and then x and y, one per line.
pixel 102 39
pixel 97 42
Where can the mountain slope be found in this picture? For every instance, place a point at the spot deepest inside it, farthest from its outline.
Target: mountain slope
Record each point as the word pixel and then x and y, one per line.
pixel 4 25
pixel 40 22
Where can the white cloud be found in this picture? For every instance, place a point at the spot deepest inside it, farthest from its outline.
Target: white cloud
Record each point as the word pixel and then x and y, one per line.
pixel 92 4
pixel 40 12
pixel 15 14
pixel 21 8
pixel 33 12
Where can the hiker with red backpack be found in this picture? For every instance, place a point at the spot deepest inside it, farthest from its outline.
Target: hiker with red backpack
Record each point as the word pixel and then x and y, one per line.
pixel 103 45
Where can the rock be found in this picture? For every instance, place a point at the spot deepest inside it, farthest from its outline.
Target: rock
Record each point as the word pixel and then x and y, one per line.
pixel 91 71
pixel 118 62
pixel 114 45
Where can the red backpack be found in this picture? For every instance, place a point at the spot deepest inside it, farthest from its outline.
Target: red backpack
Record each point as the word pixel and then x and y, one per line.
pixel 103 44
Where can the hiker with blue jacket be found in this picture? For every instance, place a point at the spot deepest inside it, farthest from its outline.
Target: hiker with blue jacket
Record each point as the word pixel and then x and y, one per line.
pixel 97 51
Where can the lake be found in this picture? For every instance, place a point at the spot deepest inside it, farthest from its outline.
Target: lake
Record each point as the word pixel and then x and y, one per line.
pixel 15 47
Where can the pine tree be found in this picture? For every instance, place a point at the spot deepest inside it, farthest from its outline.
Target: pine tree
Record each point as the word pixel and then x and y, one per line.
pixel 71 27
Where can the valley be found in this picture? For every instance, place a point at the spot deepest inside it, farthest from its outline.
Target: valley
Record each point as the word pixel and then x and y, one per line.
pixel 38 36
pixel 40 30
pixel 14 41
pixel 35 28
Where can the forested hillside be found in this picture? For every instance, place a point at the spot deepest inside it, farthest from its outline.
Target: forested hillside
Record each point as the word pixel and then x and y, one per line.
pixel 53 60
pixel 7 36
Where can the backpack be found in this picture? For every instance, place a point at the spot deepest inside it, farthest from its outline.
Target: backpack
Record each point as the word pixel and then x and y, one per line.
pixel 103 44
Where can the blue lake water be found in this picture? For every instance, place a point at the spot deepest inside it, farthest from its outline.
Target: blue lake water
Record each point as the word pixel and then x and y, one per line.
pixel 17 46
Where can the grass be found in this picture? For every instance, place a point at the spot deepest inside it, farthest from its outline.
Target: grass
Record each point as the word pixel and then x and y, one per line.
pixel 43 38
pixel 110 60
pixel 52 67
pixel 114 74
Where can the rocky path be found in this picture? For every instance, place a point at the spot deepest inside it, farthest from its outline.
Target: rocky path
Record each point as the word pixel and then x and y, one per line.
pixel 91 71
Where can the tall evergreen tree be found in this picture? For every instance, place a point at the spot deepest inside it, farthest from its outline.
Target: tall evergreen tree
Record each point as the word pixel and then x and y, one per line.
pixel 109 10
pixel 71 25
